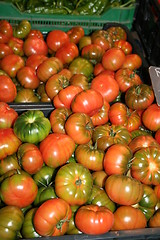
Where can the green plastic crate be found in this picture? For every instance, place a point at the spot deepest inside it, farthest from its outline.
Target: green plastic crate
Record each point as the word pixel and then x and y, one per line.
pixel 47 22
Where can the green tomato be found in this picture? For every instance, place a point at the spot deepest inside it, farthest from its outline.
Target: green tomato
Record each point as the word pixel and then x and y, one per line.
pixel 32 126
pixel 81 65
pixel 22 29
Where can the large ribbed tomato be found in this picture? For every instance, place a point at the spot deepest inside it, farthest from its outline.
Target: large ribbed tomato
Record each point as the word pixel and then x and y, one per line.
pixel 151 117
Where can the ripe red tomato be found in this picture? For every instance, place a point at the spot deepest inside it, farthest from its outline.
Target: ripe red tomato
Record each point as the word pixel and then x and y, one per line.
pixel 35 60
pixel 93 219
pixel 56 39
pixel 113 59
pixel 128 218
pixel 35 45
pixel 79 80
pixel 56 149
pixel 155 220
pixel 157 136
pixel 151 117
pixel 5 50
pixel 132 61
pixel 117 159
pixel 101 117
pixel 117 33
pixel 124 45
pixel 8 89
pixel 102 38
pixel 35 32
pixel 6 31
pixel 7 115
pixel 87 101
pixel 106 85
pixel 16 44
pixel 75 34
pixel 93 52
pixel 28 78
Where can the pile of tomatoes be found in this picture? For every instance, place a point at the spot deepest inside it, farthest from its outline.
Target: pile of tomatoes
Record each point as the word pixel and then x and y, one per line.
pixel 93 164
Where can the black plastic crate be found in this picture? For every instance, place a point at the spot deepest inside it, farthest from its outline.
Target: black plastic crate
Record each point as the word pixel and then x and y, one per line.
pixel 147 25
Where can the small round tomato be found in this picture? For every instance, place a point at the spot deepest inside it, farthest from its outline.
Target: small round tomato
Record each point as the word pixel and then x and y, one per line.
pixel 28 78
pixel 5 50
pixel 35 45
pixel 93 219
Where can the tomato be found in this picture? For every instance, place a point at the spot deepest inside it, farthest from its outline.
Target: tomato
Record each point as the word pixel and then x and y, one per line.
pixel 157 191
pixel 99 178
pixel 16 45
pixel 102 38
pixel 58 118
pixel 101 117
pixel 123 190
pixel 30 157
pixel 132 61
pixel 35 45
pixel 56 149
pixel 44 176
pixel 32 126
pixel 89 156
pixel 8 89
pixel 35 32
pixel 28 230
pixel 73 183
pixel 84 41
pixel 151 117
pixel 7 115
pixel 11 220
pixel 72 229
pixel 11 64
pixel 98 68
pixel 44 193
pixel 92 219
pixel 92 52
pixel 18 189
pixel 157 136
pixel 79 80
pixel 52 217
pixel 79 127
pixel 146 165
pixel 117 33
pixel 5 50
pixel 113 59
pixel 100 198
pixel 42 93
pixel 87 101
pixel 106 85
pixel 6 31
pixel 75 34
pixel 139 97
pixel 49 67
pixel 108 134
pixel 26 95
pixel 127 78
pixel 155 220
pixel 81 65
pixel 128 218
pixel 28 78
pixel 57 103
pixel 35 60
pixel 9 142
pixel 120 114
pixel 22 29
pixel 67 53
pixel 117 159
pixel 9 163
pixel 124 45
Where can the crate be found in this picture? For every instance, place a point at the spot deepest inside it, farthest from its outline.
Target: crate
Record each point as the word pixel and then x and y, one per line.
pixel 147 25
pixel 46 22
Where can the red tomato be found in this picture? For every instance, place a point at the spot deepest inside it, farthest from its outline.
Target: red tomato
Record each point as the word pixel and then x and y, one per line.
pixel 67 52
pixel 35 45
pixel 30 158
pixel 151 117
pixel 117 159
pixel 57 103
pixel 113 59
pixel 87 101
pixel 98 68
pixel 6 31
pixel 28 78
pixel 5 50
pixel 52 217
pixel 102 38
pixel 157 191
pixel 79 80
pixel 11 64
pixel 16 44
pixel 93 52
pixel 8 89
pixel 106 85
pixel 154 221
pixel 7 115
pixel 124 45
pixel 132 61
pixel 75 34
pixel 56 39
pixel 128 218
pixel 56 149
pixel 19 189
pixel 93 219
pixel 101 117
pixel 35 32
pixel 79 127
pixel 157 136
pixel 35 60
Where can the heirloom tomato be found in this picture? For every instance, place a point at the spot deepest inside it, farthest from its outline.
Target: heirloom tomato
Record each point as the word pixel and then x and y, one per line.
pixel 87 101
pixel 155 220
pixel 128 218
pixel 32 126
pixel 75 34
pixel 19 189
pixel 93 219
pixel 101 117
pixel 35 45
pixel 123 189
pixel 99 178
pixel 6 31
pixel 8 89
pixel 22 29
pixel 11 220
pixel 93 52
pixel 106 85
pixel 16 45
pixel 35 60
pixel 73 183
pixel 7 115
pixel 5 50
pixel 79 80
pixel 9 163
pixel 139 97
pixel 146 165
pixel 56 149
pixel 151 117
pixel 117 159
pixel 79 127
pixel 102 38
pixel 132 61
pixel 28 78
pixel 117 33
pixel 81 65
pixel 9 142
pixel 52 217
pixel 57 103
pixel 124 45
pixel 26 95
